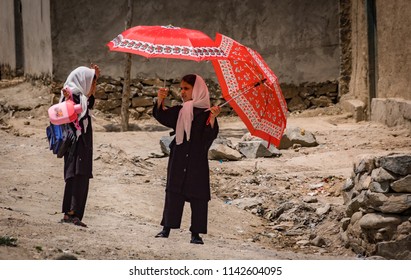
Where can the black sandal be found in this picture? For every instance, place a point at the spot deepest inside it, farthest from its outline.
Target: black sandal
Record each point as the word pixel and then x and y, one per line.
pixel 76 221
pixel 164 233
pixel 196 239
pixel 67 219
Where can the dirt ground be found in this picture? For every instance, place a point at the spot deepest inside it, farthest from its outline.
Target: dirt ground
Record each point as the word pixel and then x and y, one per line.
pixel 126 194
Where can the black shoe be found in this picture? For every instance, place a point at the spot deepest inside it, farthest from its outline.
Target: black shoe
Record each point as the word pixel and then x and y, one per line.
pixel 164 233
pixel 196 239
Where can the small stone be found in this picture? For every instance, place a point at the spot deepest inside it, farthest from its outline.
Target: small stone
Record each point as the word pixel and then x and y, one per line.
pixel 309 199
pixel 319 242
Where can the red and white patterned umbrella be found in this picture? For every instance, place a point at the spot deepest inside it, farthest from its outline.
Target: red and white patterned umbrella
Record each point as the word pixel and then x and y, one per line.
pixel 252 89
pixel 166 42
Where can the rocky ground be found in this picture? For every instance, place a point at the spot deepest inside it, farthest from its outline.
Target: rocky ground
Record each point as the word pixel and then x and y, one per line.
pixel 286 207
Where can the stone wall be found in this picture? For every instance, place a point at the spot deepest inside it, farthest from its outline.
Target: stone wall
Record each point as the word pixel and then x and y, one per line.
pixel 143 91
pixel 310 95
pixel 378 199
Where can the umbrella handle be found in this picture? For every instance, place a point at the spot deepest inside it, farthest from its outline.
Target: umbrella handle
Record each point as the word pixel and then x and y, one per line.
pixel 165 73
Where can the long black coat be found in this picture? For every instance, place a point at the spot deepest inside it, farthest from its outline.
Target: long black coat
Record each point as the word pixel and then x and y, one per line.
pixel 82 161
pixel 188 171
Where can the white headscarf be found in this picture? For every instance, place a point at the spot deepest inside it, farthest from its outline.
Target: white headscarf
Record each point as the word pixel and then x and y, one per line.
pixel 201 99
pixel 80 82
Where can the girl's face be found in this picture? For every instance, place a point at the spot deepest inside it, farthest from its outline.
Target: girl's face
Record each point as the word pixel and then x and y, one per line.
pixel 186 91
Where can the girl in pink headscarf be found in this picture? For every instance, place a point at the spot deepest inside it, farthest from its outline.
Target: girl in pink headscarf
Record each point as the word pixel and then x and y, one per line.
pixel 188 178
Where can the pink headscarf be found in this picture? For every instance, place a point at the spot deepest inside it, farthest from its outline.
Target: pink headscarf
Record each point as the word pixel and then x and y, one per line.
pixel 201 99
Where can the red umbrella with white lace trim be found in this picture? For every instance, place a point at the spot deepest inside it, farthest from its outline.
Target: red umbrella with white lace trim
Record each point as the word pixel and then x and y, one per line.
pixel 252 89
pixel 166 42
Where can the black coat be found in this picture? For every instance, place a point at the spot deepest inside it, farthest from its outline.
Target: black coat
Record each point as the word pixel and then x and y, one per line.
pixel 82 161
pixel 188 171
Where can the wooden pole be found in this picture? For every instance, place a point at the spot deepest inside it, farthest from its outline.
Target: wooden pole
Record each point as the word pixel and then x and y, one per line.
pixel 125 101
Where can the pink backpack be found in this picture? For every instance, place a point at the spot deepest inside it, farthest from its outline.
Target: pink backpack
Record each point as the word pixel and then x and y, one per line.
pixel 65 112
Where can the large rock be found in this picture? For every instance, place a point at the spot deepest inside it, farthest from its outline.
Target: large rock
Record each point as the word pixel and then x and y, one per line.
pixel 141 102
pixel 223 152
pixel 388 203
pixel 377 221
pixel 296 135
pixel 107 105
pixel 381 175
pixel 355 107
pixel 383 187
pixel 165 142
pixel 256 149
pixel 355 204
pixel 398 250
pixel 247 202
pixel 366 164
pixel 399 164
pixel 403 185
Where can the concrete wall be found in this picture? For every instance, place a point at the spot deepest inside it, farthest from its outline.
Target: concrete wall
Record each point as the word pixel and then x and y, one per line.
pixel 394 49
pixel 7 40
pixel 392 106
pixel 37 37
pixel 299 39
pixel 391 112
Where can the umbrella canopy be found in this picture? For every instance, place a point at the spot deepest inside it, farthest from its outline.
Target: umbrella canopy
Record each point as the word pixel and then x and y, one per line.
pixel 166 42
pixel 252 90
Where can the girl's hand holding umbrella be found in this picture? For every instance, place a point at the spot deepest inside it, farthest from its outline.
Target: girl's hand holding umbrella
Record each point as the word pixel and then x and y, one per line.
pixel 214 112
pixel 161 95
pixel 96 69
pixel 96 75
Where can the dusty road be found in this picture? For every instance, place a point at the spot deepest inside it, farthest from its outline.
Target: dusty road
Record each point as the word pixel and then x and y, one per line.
pixel 126 195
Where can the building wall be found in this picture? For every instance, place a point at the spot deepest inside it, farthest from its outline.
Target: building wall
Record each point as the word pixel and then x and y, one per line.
pixel 394 49
pixel 358 88
pixel 299 39
pixel 37 38
pixel 393 57
pixel 391 103
pixel 7 40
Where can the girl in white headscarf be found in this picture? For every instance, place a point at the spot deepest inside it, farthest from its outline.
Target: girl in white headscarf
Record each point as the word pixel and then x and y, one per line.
pixel 82 84
pixel 80 87
pixel 188 179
